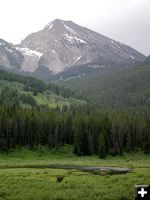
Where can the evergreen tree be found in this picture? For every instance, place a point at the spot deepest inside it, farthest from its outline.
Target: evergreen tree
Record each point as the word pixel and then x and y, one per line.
pixel 102 146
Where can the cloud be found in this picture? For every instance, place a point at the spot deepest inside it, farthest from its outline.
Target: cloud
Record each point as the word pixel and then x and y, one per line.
pixel 124 20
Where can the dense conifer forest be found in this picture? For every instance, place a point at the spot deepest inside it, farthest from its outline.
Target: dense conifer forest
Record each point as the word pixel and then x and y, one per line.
pixel 127 88
pixel 91 133
pixel 89 129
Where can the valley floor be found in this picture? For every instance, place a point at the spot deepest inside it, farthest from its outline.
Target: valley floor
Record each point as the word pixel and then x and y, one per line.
pixel 39 183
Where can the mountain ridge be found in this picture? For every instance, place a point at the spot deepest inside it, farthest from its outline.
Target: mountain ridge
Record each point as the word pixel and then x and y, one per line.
pixel 10 57
pixel 74 44
pixel 63 45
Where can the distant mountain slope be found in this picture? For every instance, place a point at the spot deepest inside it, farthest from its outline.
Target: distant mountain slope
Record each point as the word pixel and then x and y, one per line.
pixel 65 47
pixel 29 92
pixel 126 88
pixel 10 57
pixel 62 44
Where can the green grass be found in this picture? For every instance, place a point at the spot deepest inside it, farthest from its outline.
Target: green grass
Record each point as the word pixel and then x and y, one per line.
pixel 40 183
pixel 53 100
pixel 46 98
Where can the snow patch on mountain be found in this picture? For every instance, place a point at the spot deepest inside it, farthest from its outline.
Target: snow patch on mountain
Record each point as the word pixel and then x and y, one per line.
pixel 28 52
pixel 48 26
pixel 9 50
pixel 7 47
pixel 132 57
pixel 73 39
pixel 2 44
pixel 53 51
pixel 125 52
pixel 79 58
pixel 70 29
pixel 114 43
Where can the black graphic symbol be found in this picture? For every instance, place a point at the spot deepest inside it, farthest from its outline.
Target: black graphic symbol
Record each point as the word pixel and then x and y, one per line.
pixel 142 192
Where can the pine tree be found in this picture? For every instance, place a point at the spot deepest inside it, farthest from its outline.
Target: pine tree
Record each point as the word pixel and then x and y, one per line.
pixel 102 146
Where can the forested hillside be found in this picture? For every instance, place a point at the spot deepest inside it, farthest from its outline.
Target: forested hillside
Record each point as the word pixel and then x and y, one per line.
pixel 30 92
pixel 89 129
pixel 125 89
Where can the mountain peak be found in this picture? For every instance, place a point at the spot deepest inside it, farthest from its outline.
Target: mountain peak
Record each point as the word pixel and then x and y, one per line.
pixel 62 45
pixel 60 20
pixel 57 23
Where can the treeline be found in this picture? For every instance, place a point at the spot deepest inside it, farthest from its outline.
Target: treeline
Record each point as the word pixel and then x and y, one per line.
pixel 89 130
pixel 36 86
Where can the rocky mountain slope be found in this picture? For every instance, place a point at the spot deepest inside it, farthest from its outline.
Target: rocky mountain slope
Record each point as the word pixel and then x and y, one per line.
pixel 10 57
pixel 64 45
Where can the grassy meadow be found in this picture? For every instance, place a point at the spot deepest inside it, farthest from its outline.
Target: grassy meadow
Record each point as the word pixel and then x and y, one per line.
pixel 47 98
pixel 20 182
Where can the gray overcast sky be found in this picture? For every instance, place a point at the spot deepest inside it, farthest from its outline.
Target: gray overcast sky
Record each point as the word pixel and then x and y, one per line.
pixel 127 21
